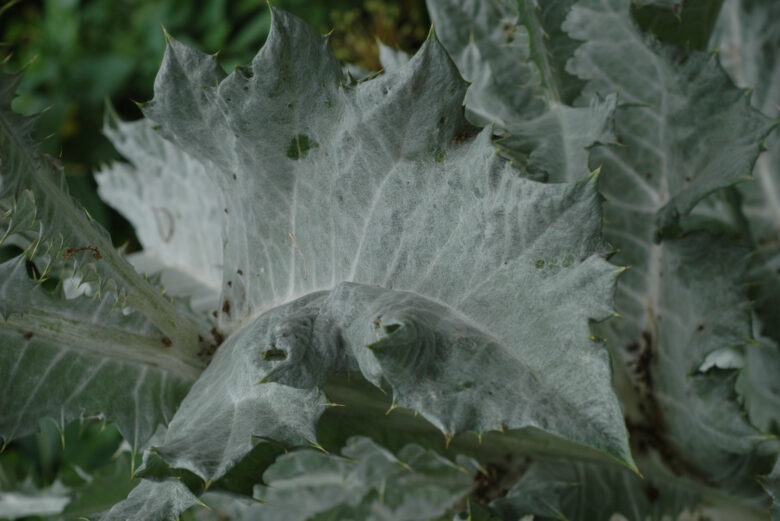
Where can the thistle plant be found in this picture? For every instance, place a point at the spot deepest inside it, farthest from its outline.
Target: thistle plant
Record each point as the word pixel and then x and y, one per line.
pixel 531 269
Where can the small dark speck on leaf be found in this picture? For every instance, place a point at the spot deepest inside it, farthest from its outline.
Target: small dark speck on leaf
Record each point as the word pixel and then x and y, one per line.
pixel 460 137
pixel 240 271
pixel 218 338
pixel 28 335
pixel 70 252
pixel 226 307
pixel 167 341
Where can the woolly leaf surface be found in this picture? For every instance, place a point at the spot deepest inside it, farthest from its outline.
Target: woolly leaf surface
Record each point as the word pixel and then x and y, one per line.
pixel 361 217
pixel 683 132
pixel 58 235
pixel 514 55
pixel 174 207
pixel 64 358
pixel 152 501
pixel 571 490
pixel 747 43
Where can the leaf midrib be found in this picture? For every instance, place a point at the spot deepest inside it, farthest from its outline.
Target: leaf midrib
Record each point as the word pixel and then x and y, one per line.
pixel 97 340
pixel 140 294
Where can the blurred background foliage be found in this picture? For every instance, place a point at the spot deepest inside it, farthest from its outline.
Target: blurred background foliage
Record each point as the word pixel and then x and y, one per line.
pixel 76 55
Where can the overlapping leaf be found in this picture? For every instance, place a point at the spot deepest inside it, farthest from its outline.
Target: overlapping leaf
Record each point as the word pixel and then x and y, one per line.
pixel 358 216
pixel 685 132
pixel 225 507
pixel 758 385
pixel 360 230
pixel 57 232
pixel 367 483
pixel 21 504
pixel 679 148
pixel 152 501
pixel 514 53
pixel 174 207
pixel 62 358
pixel 747 41
pixel 686 23
pixel 771 484
pixel 580 491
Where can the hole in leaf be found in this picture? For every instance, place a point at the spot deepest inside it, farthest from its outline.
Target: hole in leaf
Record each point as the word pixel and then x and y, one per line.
pixel 299 146
pixel 274 354
pixel 245 72
pixel 392 328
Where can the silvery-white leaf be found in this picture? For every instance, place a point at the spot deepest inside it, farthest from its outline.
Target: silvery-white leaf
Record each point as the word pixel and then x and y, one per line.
pixel 152 501
pixel 65 358
pixel 59 235
pixel 571 490
pixel 392 59
pixel 683 132
pixel 758 384
pixel 514 55
pixel 367 483
pixel 747 39
pixel 45 502
pixel 174 206
pixel 362 215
